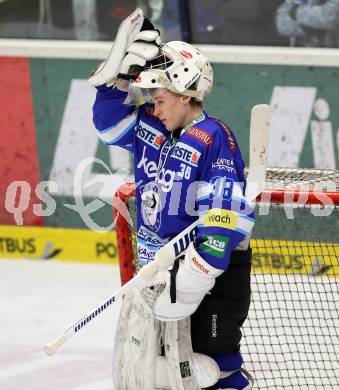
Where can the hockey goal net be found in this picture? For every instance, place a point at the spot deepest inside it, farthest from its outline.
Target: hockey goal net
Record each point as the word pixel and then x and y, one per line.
pixel 290 339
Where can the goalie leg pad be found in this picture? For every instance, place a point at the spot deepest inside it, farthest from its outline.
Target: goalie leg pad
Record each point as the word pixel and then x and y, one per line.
pixel 135 346
pixel 185 370
pixel 149 354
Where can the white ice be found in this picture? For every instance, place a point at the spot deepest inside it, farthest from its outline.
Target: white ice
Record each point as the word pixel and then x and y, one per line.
pixel 290 336
pixel 39 300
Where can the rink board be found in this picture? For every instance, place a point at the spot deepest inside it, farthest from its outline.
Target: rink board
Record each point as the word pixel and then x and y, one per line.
pixel 46 243
pixel 269 256
pixel 295 257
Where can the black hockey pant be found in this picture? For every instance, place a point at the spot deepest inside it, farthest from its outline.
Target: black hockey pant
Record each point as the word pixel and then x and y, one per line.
pixel 215 326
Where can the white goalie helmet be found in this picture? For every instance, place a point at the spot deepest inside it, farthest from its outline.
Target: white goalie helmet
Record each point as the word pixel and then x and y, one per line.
pixel 180 68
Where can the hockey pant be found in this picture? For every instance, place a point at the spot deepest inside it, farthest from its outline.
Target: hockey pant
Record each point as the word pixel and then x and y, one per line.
pixel 215 326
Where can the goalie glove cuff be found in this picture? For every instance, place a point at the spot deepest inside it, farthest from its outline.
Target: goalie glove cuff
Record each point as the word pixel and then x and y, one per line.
pixel 194 279
pixel 198 265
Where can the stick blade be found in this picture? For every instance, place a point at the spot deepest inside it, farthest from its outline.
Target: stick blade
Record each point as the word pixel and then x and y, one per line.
pixel 259 134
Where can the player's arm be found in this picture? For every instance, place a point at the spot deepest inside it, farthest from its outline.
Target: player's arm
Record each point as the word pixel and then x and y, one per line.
pixel 113 120
pixel 226 219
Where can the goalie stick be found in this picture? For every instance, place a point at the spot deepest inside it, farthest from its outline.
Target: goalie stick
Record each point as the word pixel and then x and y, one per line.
pixel 259 133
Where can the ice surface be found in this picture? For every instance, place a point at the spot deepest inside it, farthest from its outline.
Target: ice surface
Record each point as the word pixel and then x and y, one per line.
pixel 290 336
pixel 39 301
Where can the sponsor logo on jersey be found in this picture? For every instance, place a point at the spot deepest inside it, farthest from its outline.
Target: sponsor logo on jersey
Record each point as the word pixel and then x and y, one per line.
pixel 145 255
pixel 224 164
pixel 221 218
pixel 148 244
pixel 200 135
pixel 165 177
pixel 186 153
pixel 214 245
pixel 150 237
pixel 149 110
pixel 149 135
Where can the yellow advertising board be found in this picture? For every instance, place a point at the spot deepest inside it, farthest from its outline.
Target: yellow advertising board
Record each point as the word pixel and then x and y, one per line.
pixel 47 243
pixel 295 257
pixel 81 245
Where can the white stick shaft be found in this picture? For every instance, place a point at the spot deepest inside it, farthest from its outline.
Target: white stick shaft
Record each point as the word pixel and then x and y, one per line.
pixel 53 346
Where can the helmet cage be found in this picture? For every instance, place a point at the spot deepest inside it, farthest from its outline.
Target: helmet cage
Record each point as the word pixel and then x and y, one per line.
pixel 179 68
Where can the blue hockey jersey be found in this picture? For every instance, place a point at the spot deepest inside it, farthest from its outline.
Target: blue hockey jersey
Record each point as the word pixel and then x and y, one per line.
pixel 195 172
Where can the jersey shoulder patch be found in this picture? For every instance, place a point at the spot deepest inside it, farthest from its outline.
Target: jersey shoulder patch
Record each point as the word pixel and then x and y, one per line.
pixel 200 134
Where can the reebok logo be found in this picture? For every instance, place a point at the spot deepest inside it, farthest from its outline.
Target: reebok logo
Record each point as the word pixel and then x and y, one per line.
pixel 214 326
pixel 200 266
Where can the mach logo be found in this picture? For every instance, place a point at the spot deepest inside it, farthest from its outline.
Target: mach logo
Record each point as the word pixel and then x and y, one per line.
pixel 221 218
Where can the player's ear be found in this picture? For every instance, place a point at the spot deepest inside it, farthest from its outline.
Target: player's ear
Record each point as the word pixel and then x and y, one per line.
pixel 185 99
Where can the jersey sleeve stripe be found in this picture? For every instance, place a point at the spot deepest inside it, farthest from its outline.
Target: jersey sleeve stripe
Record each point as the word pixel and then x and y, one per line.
pixel 113 134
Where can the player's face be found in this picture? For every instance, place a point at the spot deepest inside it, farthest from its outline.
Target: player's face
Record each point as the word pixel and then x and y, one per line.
pixel 174 111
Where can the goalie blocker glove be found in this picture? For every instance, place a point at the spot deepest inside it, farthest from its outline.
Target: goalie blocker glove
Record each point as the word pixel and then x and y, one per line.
pixel 136 43
pixel 186 288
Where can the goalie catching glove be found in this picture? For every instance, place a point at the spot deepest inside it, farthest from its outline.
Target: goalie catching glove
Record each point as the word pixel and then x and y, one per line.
pixel 185 287
pixel 136 43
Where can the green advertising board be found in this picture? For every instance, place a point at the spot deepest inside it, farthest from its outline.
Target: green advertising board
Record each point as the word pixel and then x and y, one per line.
pixel 304 130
